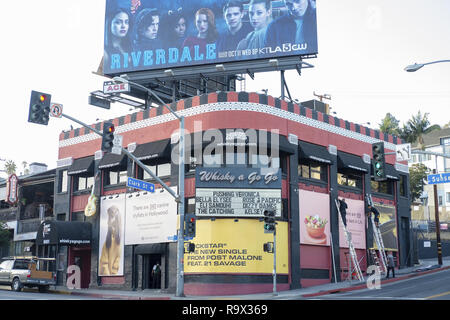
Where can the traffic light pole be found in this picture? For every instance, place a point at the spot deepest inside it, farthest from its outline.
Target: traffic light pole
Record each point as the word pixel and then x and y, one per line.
pixel 274 262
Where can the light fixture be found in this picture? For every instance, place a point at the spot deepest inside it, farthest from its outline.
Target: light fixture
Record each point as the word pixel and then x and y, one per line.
pixel 273 62
pixel 169 72
pixel 220 67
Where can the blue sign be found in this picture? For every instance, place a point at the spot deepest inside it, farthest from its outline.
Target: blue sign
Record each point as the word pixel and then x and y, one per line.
pixel 256 178
pixel 438 178
pixel 141 185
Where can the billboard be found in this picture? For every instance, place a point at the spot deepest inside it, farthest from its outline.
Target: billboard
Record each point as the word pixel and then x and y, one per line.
pixel 154 34
pixel 150 218
pixel 111 243
pixel 388 226
pixel 227 246
pixel 356 225
pixel 314 218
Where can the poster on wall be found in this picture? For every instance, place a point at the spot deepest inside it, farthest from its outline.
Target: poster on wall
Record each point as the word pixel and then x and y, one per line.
pixel 154 34
pixel 150 218
pixel 314 218
pixel 388 226
pixel 111 240
pixel 356 225
pixel 227 246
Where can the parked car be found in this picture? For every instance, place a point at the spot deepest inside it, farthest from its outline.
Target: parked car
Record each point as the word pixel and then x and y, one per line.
pixel 19 272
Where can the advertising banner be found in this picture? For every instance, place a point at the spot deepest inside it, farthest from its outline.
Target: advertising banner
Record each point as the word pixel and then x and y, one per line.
pixel 111 240
pixel 226 246
pixel 388 226
pixel 150 218
pixel 314 218
pixel 356 225
pixel 154 34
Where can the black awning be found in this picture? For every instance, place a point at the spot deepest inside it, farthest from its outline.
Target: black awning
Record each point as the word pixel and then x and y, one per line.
pixel 351 162
pixel 391 173
pixel 314 152
pixel 151 248
pixel 82 166
pixel 64 233
pixel 111 160
pixel 153 150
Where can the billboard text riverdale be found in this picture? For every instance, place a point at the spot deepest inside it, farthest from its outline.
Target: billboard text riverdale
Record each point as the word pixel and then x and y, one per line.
pixel 155 34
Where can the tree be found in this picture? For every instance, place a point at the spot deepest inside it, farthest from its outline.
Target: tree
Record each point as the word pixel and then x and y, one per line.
pixel 417 177
pixel 416 127
pixel 4 235
pixel 390 125
pixel 10 167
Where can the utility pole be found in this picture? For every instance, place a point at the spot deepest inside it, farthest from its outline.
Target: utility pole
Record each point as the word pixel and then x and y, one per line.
pixel 438 224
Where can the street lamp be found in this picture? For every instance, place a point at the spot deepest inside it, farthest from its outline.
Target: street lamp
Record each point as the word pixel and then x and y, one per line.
pixel 416 66
pixel 180 198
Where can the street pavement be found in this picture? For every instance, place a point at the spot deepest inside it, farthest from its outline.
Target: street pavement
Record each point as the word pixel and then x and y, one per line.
pixel 424 267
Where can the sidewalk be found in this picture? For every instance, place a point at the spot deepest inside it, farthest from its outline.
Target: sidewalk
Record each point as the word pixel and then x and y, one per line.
pixel 425 266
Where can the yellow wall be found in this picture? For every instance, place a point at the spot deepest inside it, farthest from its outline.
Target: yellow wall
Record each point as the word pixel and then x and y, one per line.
pixel 226 246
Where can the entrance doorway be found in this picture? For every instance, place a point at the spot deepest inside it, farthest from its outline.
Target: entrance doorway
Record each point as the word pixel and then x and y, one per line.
pixel 82 258
pixel 150 279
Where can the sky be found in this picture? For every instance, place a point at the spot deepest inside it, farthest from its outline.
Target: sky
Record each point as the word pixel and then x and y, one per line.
pixel 54 46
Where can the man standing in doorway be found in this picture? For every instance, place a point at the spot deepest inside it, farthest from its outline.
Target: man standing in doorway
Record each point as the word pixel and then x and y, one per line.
pixel 156 276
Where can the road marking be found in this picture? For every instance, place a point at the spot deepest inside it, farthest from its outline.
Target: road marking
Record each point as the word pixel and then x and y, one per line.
pixel 438 295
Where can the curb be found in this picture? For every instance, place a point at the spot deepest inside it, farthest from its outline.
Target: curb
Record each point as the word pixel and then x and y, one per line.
pixel 363 286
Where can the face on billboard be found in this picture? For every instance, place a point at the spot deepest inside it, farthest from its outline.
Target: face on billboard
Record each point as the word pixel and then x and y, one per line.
pixel 259 15
pixel 297 8
pixel 233 17
pixel 120 25
pixel 151 32
pixel 201 22
pixel 180 28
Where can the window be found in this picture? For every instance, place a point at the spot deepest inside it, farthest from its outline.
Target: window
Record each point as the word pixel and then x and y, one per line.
pixel 448 197
pixel 313 170
pixel 386 187
pixel 403 187
pixel 21 265
pixel 116 176
pixel 83 183
pixel 61 217
pixel 349 180
pixel 159 169
pixel 62 181
pixel 78 216
pixel 440 200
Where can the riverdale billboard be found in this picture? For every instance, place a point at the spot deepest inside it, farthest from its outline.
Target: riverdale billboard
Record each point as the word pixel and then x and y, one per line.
pixel 154 34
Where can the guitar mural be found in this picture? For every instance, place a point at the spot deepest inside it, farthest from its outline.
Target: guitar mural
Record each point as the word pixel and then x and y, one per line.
pixel 91 206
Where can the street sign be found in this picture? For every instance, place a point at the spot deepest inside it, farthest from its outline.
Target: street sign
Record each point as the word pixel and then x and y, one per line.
pixel 141 185
pixel 117 144
pixel 403 152
pixel 56 110
pixel 438 178
pixel 113 87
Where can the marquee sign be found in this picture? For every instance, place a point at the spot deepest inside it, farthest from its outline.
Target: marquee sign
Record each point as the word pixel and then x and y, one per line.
pixel 12 186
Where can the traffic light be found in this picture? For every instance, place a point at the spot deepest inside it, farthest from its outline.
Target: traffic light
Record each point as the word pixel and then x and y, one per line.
pixel 190 220
pixel 268 247
pixel 108 136
pixel 379 162
pixel 269 221
pixel 39 108
pixel 190 247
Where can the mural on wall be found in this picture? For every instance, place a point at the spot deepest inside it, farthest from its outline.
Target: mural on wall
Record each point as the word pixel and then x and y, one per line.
pixel 314 218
